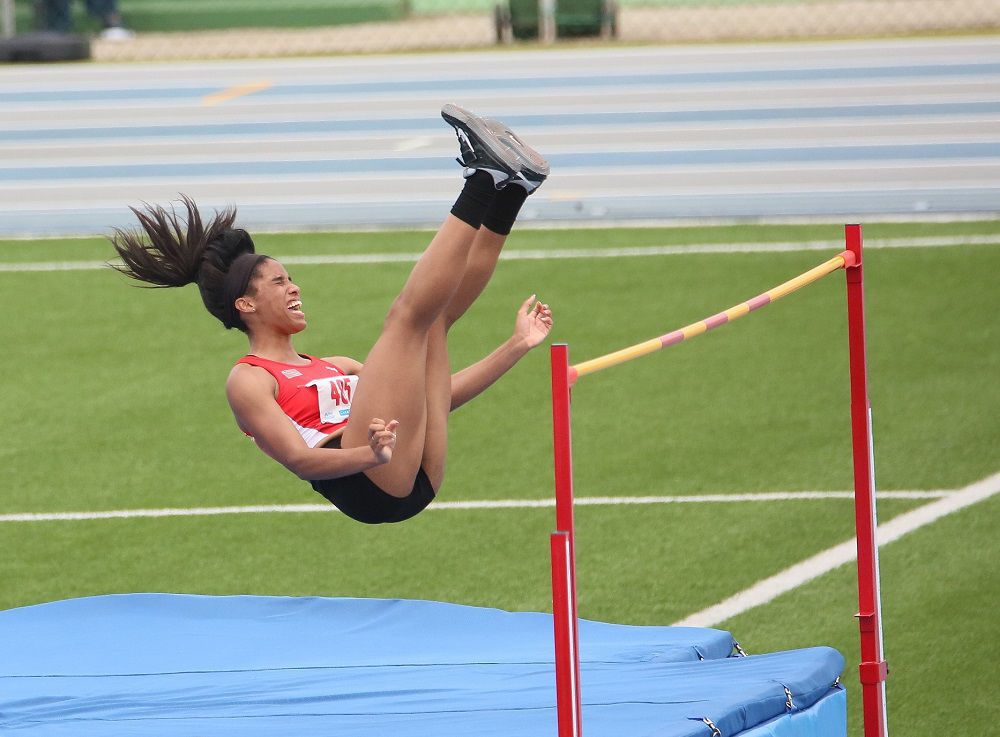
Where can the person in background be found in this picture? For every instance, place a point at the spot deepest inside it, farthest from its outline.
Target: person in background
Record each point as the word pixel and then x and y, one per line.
pixel 56 15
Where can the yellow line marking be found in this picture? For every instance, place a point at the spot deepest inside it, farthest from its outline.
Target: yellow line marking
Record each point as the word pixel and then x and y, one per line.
pixel 232 93
pixel 566 195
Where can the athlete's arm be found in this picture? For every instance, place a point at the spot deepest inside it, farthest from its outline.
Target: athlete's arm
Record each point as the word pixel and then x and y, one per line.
pixel 348 365
pixel 532 326
pixel 250 391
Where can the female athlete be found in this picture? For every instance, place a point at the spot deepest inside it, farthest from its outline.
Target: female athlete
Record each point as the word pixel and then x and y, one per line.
pixel 372 437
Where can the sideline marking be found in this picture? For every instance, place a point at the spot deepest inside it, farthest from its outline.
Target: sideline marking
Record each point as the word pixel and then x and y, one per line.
pixel 231 93
pixel 791 578
pixel 574 253
pixel 497 504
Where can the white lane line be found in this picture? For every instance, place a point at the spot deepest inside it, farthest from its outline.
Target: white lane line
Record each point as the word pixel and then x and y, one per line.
pixel 572 253
pixel 791 578
pixel 495 504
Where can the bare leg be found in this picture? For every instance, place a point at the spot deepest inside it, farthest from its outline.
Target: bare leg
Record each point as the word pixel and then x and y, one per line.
pixel 427 440
pixel 406 375
pixel 394 378
pixel 438 387
pixel 497 221
pixel 479 269
pixel 482 262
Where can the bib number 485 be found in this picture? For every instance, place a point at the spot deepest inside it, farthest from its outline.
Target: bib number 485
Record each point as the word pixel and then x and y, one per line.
pixel 334 394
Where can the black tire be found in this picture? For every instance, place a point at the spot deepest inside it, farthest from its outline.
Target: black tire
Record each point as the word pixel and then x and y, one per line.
pixel 44 46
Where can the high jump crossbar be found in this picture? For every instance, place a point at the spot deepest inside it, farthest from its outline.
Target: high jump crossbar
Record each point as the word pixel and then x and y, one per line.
pixel 873 669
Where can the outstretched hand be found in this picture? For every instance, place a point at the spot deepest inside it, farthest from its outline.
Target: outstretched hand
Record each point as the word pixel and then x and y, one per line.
pixel 382 438
pixel 534 321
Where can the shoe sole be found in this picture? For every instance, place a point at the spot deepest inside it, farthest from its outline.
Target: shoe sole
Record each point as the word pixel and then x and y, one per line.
pixel 500 141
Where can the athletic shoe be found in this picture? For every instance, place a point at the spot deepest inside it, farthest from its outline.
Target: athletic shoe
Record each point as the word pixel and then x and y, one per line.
pixel 117 33
pixel 489 145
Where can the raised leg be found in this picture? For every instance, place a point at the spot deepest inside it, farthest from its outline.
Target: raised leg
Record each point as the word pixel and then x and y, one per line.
pixel 497 221
pixel 438 386
pixel 483 255
pixel 406 376
pixel 393 381
pixel 479 268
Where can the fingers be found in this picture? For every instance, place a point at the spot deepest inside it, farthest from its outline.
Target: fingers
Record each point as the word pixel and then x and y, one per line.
pixel 543 313
pixel 382 433
pixel 382 438
pixel 534 308
pixel 534 322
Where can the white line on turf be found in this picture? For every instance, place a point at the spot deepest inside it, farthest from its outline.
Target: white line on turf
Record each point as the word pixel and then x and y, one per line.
pixel 770 588
pixel 572 253
pixel 495 504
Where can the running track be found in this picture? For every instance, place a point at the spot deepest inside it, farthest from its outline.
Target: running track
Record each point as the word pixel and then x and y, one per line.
pixel 843 131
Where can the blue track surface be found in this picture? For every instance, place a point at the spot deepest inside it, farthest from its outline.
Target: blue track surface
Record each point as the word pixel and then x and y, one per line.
pixel 563 121
pixel 452 86
pixel 591 161
pixel 161 664
pixel 843 131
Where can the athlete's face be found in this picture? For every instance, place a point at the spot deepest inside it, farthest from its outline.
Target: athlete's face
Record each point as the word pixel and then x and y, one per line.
pixel 276 300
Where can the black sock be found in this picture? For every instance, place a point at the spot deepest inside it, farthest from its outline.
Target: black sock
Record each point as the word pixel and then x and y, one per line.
pixel 476 197
pixel 502 212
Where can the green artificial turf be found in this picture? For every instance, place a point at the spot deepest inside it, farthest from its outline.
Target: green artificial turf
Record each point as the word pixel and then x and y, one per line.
pixel 199 15
pixel 939 589
pixel 113 400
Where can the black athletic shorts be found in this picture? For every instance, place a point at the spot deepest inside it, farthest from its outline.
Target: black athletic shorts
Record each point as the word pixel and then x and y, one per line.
pixel 360 498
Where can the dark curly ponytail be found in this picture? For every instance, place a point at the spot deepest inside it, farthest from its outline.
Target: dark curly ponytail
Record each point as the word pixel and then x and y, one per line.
pixel 172 251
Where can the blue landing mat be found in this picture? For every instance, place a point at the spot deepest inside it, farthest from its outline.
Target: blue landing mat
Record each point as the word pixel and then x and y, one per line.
pixel 168 664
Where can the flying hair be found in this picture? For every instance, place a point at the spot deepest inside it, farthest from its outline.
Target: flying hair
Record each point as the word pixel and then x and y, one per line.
pixel 173 250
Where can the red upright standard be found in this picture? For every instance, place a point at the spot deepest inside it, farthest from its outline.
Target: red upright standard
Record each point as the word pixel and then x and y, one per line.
pixel 873 666
pixel 564 554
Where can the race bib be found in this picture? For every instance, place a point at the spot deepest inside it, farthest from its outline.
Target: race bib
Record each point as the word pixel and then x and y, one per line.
pixel 334 394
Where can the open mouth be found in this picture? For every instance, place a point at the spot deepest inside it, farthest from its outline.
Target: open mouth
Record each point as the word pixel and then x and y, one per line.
pixel 296 307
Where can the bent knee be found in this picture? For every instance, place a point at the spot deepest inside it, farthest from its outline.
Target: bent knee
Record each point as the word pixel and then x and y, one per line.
pixel 406 316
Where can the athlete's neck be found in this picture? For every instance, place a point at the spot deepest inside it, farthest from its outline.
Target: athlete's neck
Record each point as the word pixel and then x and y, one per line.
pixel 274 348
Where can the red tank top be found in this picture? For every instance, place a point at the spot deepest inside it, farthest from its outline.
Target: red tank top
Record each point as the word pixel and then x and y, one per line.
pixel 315 396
